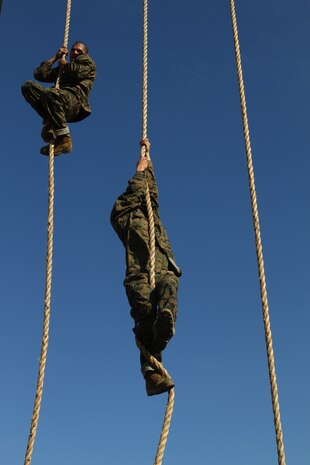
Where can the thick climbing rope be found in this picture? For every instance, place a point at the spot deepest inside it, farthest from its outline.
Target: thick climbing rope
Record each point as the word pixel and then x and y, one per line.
pixel 48 281
pixel 145 153
pixel 169 408
pixel 259 248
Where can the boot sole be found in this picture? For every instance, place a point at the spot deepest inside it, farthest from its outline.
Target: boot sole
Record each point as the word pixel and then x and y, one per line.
pixel 56 154
pixel 165 386
pixel 163 330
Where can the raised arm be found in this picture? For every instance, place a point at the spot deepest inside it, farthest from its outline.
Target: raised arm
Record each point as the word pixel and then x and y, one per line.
pixel 45 72
pixel 133 198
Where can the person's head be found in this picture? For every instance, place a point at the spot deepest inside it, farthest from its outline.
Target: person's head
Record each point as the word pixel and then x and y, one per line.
pixel 78 48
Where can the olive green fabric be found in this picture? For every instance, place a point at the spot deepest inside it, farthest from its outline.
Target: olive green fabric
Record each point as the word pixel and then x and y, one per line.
pixel 69 103
pixel 130 221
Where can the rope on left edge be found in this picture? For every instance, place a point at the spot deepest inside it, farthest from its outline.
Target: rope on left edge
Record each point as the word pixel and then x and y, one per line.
pixel 48 282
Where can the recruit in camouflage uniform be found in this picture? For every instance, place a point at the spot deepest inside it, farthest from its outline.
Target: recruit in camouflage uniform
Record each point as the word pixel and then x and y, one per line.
pixel 154 311
pixel 70 102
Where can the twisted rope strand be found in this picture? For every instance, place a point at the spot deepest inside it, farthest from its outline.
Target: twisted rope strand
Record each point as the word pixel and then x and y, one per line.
pixel 259 248
pixel 48 283
pixel 144 136
pixel 165 430
pixel 153 361
pixel 47 301
pixel 169 408
pixel 145 71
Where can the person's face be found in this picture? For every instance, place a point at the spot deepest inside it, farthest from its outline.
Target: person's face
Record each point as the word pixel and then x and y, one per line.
pixel 77 49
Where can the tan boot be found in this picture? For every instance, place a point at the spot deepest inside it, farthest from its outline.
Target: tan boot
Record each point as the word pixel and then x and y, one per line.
pixel 63 144
pixel 47 133
pixel 163 330
pixel 157 384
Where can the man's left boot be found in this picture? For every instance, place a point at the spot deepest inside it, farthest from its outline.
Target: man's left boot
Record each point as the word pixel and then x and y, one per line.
pixel 156 384
pixel 47 133
pixel 163 330
pixel 63 144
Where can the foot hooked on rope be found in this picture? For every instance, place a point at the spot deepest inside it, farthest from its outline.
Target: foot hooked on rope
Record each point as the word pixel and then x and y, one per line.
pixel 63 144
pixel 156 384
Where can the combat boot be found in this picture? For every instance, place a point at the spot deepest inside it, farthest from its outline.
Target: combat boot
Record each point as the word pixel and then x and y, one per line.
pixel 163 330
pixel 156 384
pixel 63 144
pixel 47 133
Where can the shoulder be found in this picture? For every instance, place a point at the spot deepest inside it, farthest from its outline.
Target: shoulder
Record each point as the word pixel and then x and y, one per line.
pixel 85 60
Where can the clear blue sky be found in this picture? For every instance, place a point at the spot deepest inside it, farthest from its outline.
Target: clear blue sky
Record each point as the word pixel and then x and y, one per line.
pixel 95 410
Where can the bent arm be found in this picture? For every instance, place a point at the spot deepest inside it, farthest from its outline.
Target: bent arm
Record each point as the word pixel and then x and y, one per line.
pixel 83 67
pixel 133 199
pixel 45 72
pixel 126 203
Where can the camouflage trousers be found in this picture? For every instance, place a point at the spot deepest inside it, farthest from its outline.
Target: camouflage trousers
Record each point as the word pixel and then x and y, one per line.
pixel 58 106
pixel 146 303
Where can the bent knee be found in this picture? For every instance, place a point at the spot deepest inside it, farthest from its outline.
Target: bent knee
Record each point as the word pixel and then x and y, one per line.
pixel 26 87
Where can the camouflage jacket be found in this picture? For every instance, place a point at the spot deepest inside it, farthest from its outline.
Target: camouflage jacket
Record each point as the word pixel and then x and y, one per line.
pixel 76 77
pixel 130 221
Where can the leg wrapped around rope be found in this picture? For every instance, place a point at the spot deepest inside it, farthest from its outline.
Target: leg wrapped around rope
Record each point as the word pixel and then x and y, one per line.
pixel 167 381
pixel 62 144
pixel 47 133
pixel 156 377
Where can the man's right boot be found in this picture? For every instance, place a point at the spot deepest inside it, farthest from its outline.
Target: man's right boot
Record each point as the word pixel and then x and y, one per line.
pixel 63 144
pixel 163 330
pixel 156 384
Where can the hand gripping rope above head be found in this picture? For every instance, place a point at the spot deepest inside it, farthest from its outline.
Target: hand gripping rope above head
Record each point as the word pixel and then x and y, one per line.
pixel 48 281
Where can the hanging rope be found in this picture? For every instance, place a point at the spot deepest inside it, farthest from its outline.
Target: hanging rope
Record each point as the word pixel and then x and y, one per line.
pixel 169 408
pixel 48 281
pixel 259 248
pixel 145 153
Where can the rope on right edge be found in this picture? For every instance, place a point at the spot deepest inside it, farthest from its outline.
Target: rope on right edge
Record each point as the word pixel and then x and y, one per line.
pixel 259 248
pixel 158 366
pixel 48 282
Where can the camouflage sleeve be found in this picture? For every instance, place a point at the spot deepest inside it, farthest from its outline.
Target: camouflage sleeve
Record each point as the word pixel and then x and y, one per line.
pixel 126 203
pixel 132 199
pixel 165 246
pixel 46 73
pixel 83 67
pixel 149 173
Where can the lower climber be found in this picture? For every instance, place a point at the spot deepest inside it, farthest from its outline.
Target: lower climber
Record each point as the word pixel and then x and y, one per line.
pixel 154 310
pixel 70 102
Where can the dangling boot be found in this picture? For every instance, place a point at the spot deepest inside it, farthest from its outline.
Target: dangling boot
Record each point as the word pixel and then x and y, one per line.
pixel 156 384
pixel 63 143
